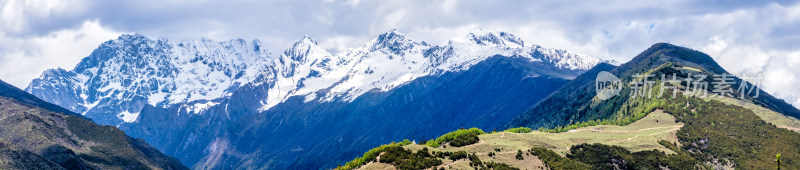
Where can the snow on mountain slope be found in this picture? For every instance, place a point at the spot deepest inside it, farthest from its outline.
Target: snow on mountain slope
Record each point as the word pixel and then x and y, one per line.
pixel 385 62
pixel 303 69
pixel 392 59
pixel 123 75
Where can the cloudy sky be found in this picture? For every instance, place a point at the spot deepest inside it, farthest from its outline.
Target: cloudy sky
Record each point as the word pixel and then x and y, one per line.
pixel 743 36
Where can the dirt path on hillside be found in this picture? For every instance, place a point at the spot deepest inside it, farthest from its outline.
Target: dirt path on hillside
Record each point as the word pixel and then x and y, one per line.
pixel 796 129
pixel 674 128
pixel 623 131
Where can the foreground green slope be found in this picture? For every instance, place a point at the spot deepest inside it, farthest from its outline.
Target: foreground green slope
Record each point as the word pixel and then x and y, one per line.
pixel 684 133
pixel 39 135
pixel 502 147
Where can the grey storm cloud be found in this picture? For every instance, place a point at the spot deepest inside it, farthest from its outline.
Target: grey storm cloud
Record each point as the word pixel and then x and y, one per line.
pixel 743 36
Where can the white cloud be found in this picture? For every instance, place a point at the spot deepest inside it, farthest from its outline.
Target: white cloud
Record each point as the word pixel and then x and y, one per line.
pixel 782 76
pixel 394 19
pixel 449 6
pixel 22 59
pixel 353 3
pixel 335 44
pixel 715 47
pixel 16 13
pixel 24 16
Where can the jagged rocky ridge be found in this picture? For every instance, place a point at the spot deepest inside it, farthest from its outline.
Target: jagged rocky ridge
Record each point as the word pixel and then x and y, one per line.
pixel 233 104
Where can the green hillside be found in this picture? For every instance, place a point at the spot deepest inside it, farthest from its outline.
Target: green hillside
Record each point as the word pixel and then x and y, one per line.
pixel 576 102
pixel 70 142
pixel 576 130
pixel 702 134
pixel 39 135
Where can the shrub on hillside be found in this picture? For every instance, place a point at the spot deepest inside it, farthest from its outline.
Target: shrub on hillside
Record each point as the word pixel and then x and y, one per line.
pixel 465 140
pixel 519 130
pixel 452 135
pixel 406 159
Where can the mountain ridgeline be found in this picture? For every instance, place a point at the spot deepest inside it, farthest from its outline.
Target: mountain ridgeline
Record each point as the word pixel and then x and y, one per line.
pixel 38 135
pixel 576 102
pixel 233 104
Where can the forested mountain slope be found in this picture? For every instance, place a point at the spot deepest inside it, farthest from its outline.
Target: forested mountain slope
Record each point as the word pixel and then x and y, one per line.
pixel 38 135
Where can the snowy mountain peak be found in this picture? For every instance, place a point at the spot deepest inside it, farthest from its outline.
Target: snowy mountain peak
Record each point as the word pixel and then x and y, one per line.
pixel 306 40
pixel 256 45
pixel 394 41
pixel 495 39
pixel 55 72
pixel 306 49
pixel 124 74
pixel 130 37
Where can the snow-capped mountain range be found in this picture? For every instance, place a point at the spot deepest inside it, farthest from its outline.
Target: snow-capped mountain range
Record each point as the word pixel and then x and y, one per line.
pixel 121 76
pixel 234 104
